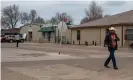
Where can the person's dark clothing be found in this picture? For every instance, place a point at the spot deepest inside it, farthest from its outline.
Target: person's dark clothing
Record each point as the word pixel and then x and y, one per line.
pixel 110 39
pixel 111 56
pixel 17 38
pixel 17 43
pixel 104 41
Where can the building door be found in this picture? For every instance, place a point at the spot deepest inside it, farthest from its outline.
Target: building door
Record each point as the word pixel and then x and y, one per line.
pixel 78 35
pixel 30 36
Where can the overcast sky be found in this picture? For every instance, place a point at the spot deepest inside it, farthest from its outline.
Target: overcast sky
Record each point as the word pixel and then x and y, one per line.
pixel 47 9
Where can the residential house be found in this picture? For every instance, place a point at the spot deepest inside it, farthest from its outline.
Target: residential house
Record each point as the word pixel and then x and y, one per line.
pixel 95 31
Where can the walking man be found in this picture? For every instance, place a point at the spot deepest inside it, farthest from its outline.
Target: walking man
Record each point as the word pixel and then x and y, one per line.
pixel 17 38
pixel 111 41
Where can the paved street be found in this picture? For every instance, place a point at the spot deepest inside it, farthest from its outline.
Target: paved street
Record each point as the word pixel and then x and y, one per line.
pixel 43 62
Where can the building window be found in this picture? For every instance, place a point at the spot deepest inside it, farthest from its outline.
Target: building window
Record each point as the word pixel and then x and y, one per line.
pixel 129 34
pixel 78 34
pixel 30 36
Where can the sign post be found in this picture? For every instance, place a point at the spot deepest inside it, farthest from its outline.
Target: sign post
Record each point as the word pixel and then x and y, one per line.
pixel 61 35
pixel 60 31
pixel 61 27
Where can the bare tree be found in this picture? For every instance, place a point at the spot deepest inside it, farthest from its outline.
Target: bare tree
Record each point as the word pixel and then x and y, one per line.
pixel 58 17
pixel 69 20
pixel 10 16
pixel 61 17
pixel 84 20
pixel 5 22
pixel 94 12
pixel 24 18
pixel 47 21
pixel 32 15
pixel 54 20
pixel 39 20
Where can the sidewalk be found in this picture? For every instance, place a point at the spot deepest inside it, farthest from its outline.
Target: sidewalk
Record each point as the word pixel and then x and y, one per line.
pixel 74 46
pixel 19 63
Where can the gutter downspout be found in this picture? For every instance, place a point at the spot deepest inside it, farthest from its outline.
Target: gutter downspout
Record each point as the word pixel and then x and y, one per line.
pixel 100 36
pixel 55 33
pixel 122 37
pixel 71 36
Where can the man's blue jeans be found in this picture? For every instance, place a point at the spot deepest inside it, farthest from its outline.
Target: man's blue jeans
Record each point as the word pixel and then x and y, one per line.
pixel 111 56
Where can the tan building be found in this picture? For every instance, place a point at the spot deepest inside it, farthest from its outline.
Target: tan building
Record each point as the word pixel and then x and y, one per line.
pixel 44 33
pixel 97 29
pixel 32 32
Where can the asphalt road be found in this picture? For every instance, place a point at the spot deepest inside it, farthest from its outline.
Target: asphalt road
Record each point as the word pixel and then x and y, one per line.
pixel 34 62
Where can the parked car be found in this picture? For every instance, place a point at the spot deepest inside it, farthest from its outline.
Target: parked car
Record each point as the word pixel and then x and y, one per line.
pixel 3 38
pixel 131 44
pixel 12 38
pixel 23 36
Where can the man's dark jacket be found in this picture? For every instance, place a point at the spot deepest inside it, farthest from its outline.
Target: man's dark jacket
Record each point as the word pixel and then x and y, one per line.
pixel 108 41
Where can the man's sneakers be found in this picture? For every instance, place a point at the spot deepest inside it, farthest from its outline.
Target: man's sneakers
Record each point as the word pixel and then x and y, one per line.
pixel 106 66
pixel 115 68
pixel 109 67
